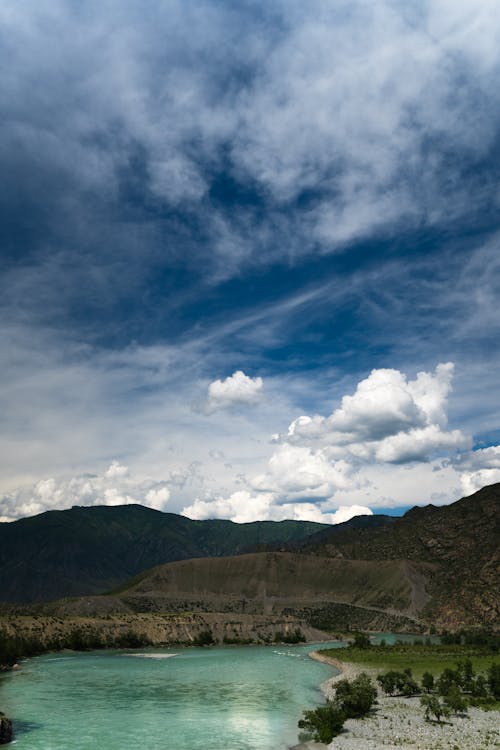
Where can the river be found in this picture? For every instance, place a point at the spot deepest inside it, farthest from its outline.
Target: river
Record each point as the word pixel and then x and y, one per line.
pixel 240 698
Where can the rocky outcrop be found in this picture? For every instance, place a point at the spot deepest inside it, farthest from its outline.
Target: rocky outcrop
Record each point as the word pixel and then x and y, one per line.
pixel 457 542
pixel 5 729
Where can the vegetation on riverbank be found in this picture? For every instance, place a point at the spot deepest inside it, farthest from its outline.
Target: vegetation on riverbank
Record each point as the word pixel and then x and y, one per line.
pixel 445 681
pixel 352 700
pixel 423 656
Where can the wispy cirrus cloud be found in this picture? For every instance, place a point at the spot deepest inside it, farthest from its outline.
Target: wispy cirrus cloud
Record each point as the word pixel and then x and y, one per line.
pixel 304 192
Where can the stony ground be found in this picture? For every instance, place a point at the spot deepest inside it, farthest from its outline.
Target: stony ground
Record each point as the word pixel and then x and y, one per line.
pixel 399 723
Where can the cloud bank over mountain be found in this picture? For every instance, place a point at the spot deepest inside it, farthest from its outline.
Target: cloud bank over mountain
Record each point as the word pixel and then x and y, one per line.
pixel 312 468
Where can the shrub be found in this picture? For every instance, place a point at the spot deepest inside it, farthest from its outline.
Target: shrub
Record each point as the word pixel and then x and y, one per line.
pixel 410 687
pixel 455 701
pixel 295 636
pixel 465 674
pixel 494 680
pixel 398 682
pixel 357 697
pixel 479 687
pixel 428 682
pixel 324 722
pixel 204 638
pixel 446 680
pixel 361 640
pixel 388 681
pixel 352 700
pixel 434 707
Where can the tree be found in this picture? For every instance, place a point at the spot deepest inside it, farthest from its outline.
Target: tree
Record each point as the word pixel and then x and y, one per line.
pixel 494 680
pixel 361 640
pixel 400 682
pixel 434 707
pixel 455 700
pixel 352 699
pixel 465 675
pixel 324 722
pixel 388 681
pixel 428 682
pixel 204 638
pixel 447 678
pixel 410 687
pixel 357 697
pixel 480 687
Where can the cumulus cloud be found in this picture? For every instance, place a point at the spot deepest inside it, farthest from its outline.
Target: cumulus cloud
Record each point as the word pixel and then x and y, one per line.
pixel 388 436
pixel 472 481
pixel 245 506
pixel 115 486
pixel 478 468
pixel 301 472
pixel 236 390
pixel 389 419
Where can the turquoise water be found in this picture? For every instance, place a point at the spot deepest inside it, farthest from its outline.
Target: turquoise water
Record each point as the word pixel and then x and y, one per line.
pixel 200 699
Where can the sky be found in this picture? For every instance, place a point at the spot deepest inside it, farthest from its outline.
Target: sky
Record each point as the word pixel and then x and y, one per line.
pixel 250 255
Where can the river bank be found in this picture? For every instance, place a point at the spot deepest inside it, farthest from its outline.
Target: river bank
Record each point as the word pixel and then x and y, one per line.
pixel 400 722
pixel 47 633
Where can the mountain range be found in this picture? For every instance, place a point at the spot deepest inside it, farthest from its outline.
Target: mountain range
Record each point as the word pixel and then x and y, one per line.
pixel 433 566
pixel 89 550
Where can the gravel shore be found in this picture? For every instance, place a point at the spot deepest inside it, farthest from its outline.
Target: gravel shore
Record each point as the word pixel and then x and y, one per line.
pixel 399 723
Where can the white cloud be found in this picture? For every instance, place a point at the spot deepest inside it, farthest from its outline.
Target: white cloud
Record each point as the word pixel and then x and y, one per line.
pixel 320 462
pixel 355 101
pixel 238 389
pixel 388 418
pixel 472 481
pixel 245 506
pixel 296 472
pixel 419 444
pixel 478 468
pixel 241 507
pixel 115 486
pixel 116 470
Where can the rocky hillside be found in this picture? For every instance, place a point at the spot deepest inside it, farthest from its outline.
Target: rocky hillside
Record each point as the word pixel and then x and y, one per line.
pixel 460 542
pixel 91 550
pixel 432 566
pixel 435 565
pixel 326 592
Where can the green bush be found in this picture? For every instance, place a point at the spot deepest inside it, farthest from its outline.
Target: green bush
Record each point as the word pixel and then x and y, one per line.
pixel 447 679
pixel 204 638
pixel 357 697
pixel 494 680
pixel 434 707
pixel 324 722
pixel 480 687
pixel 465 674
pixel 353 699
pixel 296 636
pixel 401 683
pixel 361 640
pixel 428 682
pixel 455 701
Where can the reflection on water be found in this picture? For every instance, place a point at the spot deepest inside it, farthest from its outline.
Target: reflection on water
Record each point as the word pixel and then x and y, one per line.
pixel 203 699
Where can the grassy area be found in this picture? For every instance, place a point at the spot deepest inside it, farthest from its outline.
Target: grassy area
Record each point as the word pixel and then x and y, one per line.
pixel 421 658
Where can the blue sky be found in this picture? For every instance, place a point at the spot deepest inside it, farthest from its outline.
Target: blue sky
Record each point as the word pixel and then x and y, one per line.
pixel 232 237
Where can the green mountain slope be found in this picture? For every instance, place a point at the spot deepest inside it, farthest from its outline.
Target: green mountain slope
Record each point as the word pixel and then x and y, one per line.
pixel 90 550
